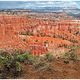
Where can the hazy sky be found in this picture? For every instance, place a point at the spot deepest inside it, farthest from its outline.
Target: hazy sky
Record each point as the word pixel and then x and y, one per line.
pixel 39 0
pixel 37 4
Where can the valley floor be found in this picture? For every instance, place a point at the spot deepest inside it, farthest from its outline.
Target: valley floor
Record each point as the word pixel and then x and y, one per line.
pixel 59 70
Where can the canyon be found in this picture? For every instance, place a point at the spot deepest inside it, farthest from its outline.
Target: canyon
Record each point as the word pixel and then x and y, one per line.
pixel 39 35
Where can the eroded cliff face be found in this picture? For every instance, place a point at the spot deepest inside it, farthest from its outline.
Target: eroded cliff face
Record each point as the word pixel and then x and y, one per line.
pixel 38 35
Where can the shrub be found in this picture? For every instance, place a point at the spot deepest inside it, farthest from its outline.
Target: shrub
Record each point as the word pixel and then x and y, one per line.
pixel 18 66
pixel 66 61
pixel 25 57
pixel 29 60
pixel 71 55
pixel 9 66
pixel 22 57
pixel 66 56
pixel 74 47
pixel 49 57
pixel 41 65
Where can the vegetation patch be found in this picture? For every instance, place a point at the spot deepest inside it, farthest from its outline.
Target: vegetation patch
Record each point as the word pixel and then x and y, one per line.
pixel 9 66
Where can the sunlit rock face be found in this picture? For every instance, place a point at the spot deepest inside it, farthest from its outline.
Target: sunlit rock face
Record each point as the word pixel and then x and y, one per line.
pixel 37 35
pixel 43 6
pixel 39 26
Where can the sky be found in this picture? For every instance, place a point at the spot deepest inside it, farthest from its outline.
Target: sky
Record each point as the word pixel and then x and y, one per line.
pixel 36 4
pixel 39 0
